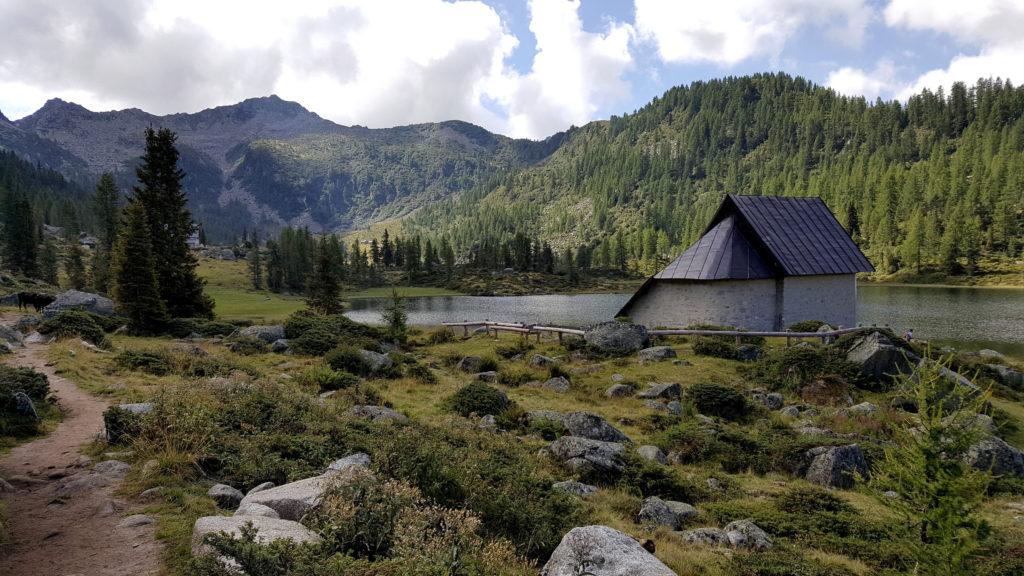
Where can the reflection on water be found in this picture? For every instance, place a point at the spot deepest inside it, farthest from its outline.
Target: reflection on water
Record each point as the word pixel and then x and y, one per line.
pixel 968 318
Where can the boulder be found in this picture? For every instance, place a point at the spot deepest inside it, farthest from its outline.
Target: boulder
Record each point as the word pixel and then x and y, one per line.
pixel 658 512
pixel 557 384
pixel 864 409
pixel 1008 376
pixel 835 466
pixel 377 362
pixel 996 455
pixel 280 346
pixel 376 413
pixel 254 509
pixel 267 333
pixel 652 453
pixel 746 534
pixel 675 407
pixel 770 400
pixel 879 359
pixel 670 391
pixel 261 488
pixel 488 422
pixel 586 455
pixel 987 353
pixel 267 530
pixel 575 488
pixel 706 536
pixel 618 377
pixel 135 520
pixel 10 336
pixel 79 484
pixel 541 361
pixel 592 426
pixel 619 391
pixel 617 338
pixel 225 496
pixel 113 469
pixel 74 299
pixel 489 376
pixel 471 364
pixel 657 353
pixel 602 551
pixel 748 352
pixel 791 411
pixel 291 501
pixel 24 405
pixel 357 460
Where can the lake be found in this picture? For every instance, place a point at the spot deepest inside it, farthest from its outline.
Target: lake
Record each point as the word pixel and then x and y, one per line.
pixel 966 318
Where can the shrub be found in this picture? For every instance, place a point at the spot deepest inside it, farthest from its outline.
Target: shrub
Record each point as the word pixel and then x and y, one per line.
pixel 806 326
pixel 513 378
pixel 516 348
pixel 557 371
pixel 546 428
pixel 488 364
pixel 648 478
pixel 810 500
pixel 74 323
pixel 185 327
pixel 348 359
pixel 343 328
pixel 421 374
pixel 155 362
pixel 706 346
pixel 121 425
pixel 718 400
pixel 755 340
pixel 314 342
pixel 34 384
pixel 794 367
pixel 478 398
pixel 777 562
pixel 326 379
pixel 247 345
pixel 442 336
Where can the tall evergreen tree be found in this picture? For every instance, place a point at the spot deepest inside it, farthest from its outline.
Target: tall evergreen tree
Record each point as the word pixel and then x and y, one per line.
pixel 323 289
pixel 48 262
pixel 20 235
pixel 74 266
pixel 387 251
pixel 275 267
pixel 105 210
pixel 136 288
pixel 161 196
pixel 256 263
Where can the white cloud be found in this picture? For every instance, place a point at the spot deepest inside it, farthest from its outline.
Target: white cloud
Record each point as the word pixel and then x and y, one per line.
pixel 726 32
pixel 858 82
pixel 992 26
pixel 370 62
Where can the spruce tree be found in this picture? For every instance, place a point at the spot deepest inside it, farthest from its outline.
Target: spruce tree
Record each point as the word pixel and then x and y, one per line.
pixel 107 219
pixel 136 287
pixel 256 263
pixel 395 317
pixel 275 267
pixel 160 195
pixel 323 289
pixel 20 236
pixel 74 266
pixel 48 262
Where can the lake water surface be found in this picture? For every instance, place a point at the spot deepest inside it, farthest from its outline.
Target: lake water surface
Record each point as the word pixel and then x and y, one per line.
pixel 966 318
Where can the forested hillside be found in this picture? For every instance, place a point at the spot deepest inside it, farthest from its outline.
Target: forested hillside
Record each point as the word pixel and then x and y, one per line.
pixel 936 183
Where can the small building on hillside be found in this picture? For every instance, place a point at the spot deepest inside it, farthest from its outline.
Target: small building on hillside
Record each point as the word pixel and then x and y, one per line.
pixel 763 263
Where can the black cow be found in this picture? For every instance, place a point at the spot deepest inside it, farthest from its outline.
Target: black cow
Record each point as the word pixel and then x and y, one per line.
pixel 34 299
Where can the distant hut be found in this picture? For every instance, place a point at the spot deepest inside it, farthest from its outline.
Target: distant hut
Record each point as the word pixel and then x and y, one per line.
pixel 193 241
pixel 763 263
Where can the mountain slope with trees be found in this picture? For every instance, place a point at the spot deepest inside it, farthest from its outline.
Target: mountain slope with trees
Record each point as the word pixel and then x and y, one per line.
pixel 937 183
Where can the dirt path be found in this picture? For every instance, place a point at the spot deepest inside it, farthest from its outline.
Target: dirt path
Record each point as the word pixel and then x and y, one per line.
pixel 64 517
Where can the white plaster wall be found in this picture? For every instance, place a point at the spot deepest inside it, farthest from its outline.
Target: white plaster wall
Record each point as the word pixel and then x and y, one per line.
pixel 832 299
pixel 746 304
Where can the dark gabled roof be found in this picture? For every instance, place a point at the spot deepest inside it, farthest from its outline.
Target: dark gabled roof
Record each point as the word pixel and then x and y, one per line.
pixel 801 234
pixel 722 253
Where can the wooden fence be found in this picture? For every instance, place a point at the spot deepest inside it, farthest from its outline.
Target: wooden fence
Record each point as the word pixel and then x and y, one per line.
pixel 527 329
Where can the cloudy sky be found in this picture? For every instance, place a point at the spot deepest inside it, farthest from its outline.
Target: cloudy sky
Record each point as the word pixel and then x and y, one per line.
pixel 518 67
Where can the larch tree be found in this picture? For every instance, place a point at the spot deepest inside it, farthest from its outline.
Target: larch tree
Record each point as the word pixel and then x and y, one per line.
pixel 105 210
pixel 161 196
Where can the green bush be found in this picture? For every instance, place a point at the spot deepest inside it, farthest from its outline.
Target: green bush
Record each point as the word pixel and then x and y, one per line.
pixel 546 428
pixel 806 326
pixel 348 359
pixel 75 323
pixel 121 425
pixel 477 398
pixel 247 345
pixel 185 327
pixel 316 342
pixel 421 374
pixel 718 400
pixel 513 378
pixel 782 562
pixel 327 379
pixel 155 362
pixel 811 500
pixel 489 364
pixel 758 341
pixel 341 327
pixel 516 348
pixel 33 384
pixel 646 478
pixel 706 346
pixel 442 336
pixel 15 379
pixel 794 367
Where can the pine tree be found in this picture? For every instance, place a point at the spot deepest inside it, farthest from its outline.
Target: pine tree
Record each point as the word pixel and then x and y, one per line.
pixel 136 287
pixel 48 262
pixel 275 267
pixel 160 195
pixel 107 219
pixel 387 251
pixel 74 266
pixel 256 263
pixel 323 289
pixel 395 317
pixel 20 236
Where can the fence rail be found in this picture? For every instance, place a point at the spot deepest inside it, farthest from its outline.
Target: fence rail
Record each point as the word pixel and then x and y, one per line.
pixel 527 329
